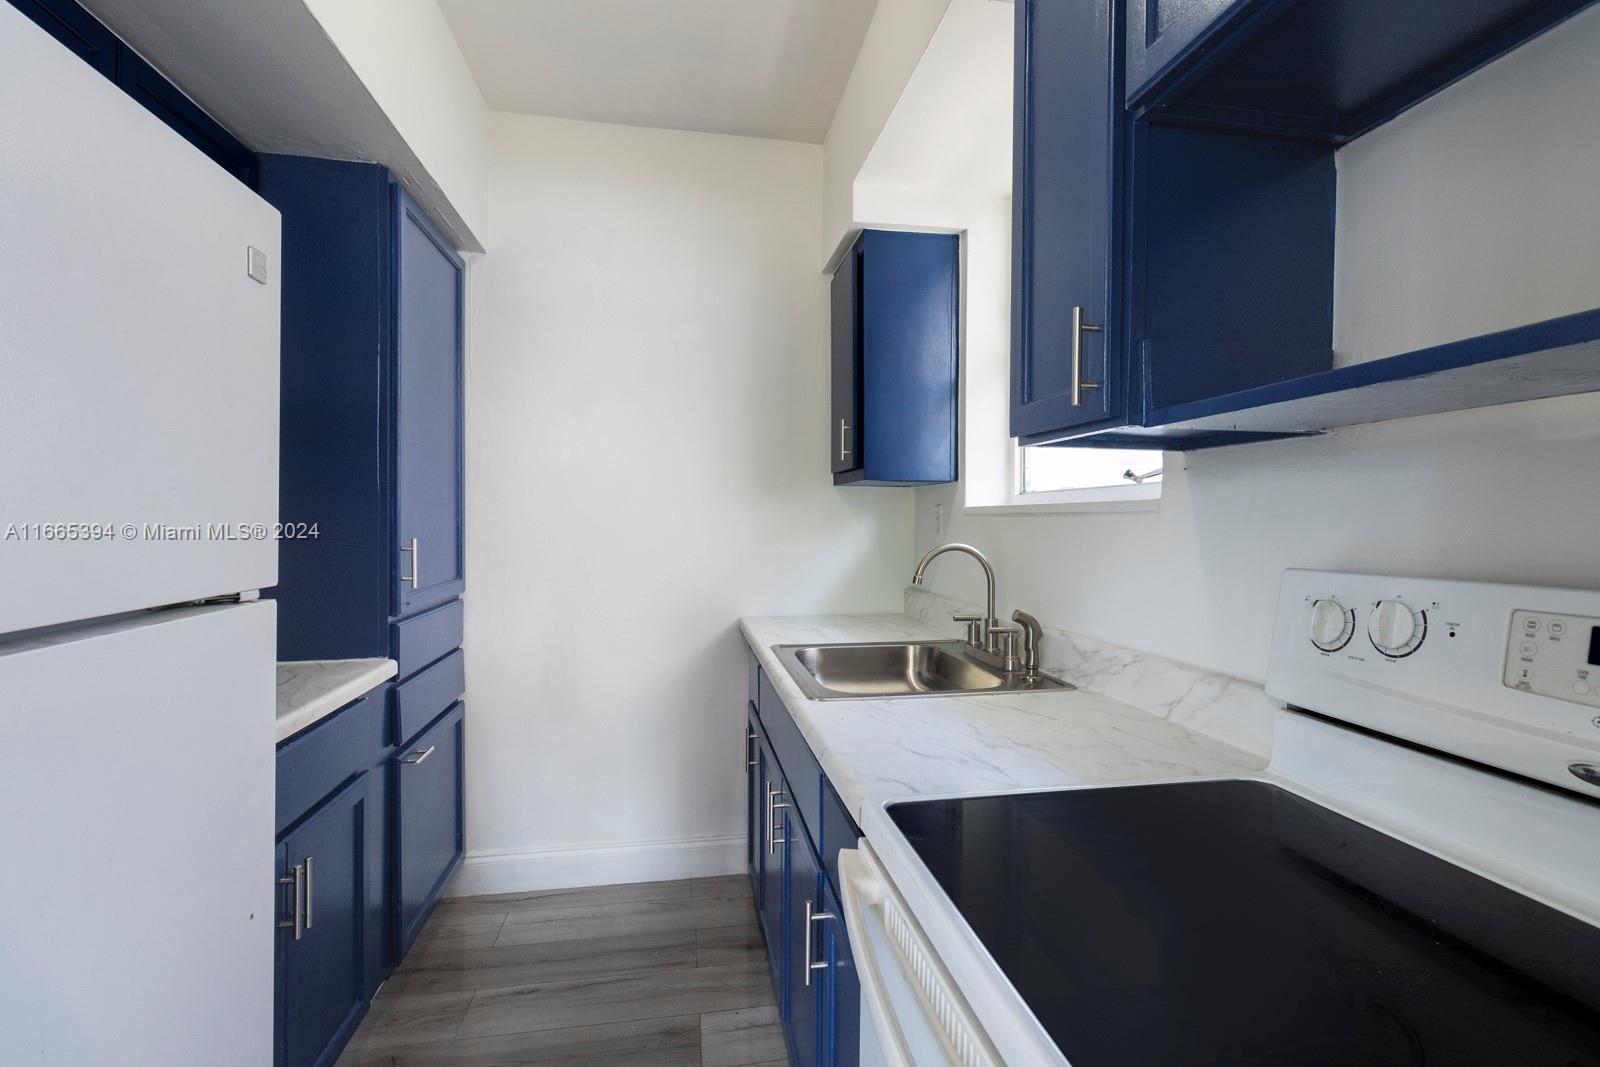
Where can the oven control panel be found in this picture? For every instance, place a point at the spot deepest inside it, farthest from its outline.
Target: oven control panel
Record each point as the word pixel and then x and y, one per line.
pixel 1554 655
pixel 1505 675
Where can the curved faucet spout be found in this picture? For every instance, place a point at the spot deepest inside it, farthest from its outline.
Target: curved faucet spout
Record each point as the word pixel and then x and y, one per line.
pixel 957 546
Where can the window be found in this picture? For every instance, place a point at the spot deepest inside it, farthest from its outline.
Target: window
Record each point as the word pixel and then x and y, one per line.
pixel 1043 469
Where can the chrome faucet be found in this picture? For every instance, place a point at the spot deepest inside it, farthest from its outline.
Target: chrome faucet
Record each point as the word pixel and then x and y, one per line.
pixel 985 633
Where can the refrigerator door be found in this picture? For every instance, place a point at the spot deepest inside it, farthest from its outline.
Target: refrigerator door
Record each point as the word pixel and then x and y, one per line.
pixel 136 814
pixel 139 359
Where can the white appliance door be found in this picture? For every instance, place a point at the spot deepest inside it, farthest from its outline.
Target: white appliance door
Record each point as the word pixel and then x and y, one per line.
pixel 138 360
pixel 912 1014
pixel 136 819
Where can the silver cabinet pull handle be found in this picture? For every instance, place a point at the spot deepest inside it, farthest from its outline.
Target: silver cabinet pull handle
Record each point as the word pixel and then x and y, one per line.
pixel 310 892
pixel 297 920
pixel 749 747
pixel 415 552
pixel 811 918
pixel 1079 328
pixel 844 452
pixel 419 755
pixel 773 804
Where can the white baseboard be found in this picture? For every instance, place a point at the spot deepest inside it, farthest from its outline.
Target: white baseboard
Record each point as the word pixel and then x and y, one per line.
pixel 527 870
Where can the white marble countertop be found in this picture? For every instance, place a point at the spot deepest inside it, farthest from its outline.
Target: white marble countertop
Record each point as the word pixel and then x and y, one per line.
pixel 875 751
pixel 310 690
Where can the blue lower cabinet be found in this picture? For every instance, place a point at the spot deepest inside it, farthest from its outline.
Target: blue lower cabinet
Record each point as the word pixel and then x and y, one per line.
pixel 322 875
pixel 841 991
pixel 771 884
pixel 753 806
pixel 428 838
pixel 801 1011
pixel 368 835
pixel 808 947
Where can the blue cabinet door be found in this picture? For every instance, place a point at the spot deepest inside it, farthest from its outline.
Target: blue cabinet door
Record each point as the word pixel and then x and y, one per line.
pixel 428 416
pixel 895 309
pixel 844 426
pixel 753 804
pixel 429 821
pixel 1066 367
pixel 841 1030
pixel 321 951
pixel 806 982
pixel 1161 32
pixel 773 843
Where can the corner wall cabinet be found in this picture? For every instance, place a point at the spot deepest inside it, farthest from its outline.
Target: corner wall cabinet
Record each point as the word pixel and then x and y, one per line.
pixel 894 307
pixel 797 826
pixel 1174 205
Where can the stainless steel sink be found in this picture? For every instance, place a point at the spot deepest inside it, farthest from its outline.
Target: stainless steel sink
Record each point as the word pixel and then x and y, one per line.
pixel 900 669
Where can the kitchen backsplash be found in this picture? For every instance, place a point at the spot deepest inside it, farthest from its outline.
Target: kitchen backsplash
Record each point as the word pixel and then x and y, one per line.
pixel 1229 709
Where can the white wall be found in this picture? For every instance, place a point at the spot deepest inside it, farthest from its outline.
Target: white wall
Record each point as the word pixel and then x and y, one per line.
pixel 1510 493
pixel 895 40
pixel 943 161
pixel 1493 182
pixel 647 420
pixel 405 54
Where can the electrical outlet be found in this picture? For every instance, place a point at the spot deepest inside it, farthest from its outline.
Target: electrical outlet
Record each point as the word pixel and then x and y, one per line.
pixel 938 522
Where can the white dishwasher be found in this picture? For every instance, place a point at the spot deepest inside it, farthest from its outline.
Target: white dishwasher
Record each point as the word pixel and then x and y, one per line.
pixel 912 1014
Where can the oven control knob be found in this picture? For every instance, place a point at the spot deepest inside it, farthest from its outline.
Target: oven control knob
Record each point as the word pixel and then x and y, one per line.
pixel 1395 629
pixel 1332 624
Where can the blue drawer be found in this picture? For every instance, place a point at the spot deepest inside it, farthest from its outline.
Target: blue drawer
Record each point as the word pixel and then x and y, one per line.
pixel 421 639
pixel 314 763
pixel 421 699
pixel 800 766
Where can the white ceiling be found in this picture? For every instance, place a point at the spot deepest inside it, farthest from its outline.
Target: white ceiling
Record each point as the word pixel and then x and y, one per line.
pixel 759 68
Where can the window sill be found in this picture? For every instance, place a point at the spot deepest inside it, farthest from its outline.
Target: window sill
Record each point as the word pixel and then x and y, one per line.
pixel 1129 498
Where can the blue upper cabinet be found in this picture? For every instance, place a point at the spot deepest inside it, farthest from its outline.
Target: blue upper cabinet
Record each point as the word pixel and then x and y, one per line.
pixel 1160 32
pixel 894 307
pixel 1319 69
pixel 371 417
pixel 1174 246
pixel 1067 364
pixel 428 427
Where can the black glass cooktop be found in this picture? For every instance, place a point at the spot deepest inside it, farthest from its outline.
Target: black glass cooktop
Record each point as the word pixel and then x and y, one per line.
pixel 1225 923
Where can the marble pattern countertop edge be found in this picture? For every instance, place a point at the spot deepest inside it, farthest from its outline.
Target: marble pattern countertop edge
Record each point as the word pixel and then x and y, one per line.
pixel 877 750
pixel 311 690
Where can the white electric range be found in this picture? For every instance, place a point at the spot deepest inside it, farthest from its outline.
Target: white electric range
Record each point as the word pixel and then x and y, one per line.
pixel 1415 878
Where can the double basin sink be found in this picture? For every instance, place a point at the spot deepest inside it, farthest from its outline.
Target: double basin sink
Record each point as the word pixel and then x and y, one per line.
pixel 901 669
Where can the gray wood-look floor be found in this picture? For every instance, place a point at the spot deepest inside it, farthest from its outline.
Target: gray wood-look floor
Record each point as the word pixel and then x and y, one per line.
pixel 657 973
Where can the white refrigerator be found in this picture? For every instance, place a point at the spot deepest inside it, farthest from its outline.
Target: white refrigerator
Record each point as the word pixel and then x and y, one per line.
pixel 138 485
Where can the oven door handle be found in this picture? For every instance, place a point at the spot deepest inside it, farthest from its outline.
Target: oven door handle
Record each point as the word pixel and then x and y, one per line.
pixel 920 1018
